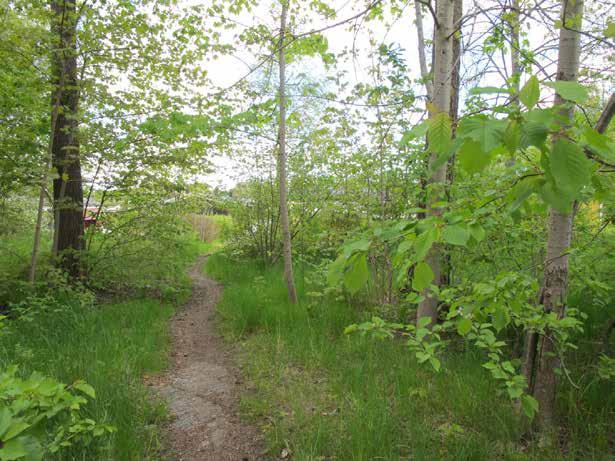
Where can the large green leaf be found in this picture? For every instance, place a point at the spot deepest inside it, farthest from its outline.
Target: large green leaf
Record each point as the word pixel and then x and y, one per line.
pixel 600 144
pixel 423 275
pixel 571 91
pixel 522 190
pixel 17 427
pixel 569 166
pixel 484 130
pixel 85 388
pixel 553 197
pixel 477 232
pixel 456 234
pixel 529 405
pixel 13 449
pixel 5 420
pixel 530 93
pixel 471 157
pixel 533 134
pixel 440 133
pixel 464 326
pixel 512 136
pixel 500 319
pixel 357 273
pixel 336 270
pixel 423 243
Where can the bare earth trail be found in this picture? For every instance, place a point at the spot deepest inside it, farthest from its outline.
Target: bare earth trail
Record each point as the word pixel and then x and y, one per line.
pixel 202 385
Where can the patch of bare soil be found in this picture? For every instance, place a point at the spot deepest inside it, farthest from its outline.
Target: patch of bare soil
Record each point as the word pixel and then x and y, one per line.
pixel 202 385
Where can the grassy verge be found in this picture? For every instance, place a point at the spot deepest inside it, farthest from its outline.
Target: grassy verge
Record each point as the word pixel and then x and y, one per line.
pixel 326 396
pixel 110 346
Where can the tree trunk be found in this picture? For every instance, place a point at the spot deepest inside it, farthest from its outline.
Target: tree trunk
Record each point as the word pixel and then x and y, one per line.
pixel 421 45
pixel 555 282
pixel 441 99
pixel 286 237
pixel 456 63
pixel 447 273
pixel 67 188
pixel 55 108
pixel 39 221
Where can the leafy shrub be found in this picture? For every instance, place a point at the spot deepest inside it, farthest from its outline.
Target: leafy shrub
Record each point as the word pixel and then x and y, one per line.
pixel 40 415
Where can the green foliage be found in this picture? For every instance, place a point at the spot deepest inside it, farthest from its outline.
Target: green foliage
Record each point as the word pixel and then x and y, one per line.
pixel 570 168
pixel 41 415
pixel 530 93
pixel 439 133
pixel 471 156
pixel 422 276
pixel 571 91
pixel 293 354
pixel 106 348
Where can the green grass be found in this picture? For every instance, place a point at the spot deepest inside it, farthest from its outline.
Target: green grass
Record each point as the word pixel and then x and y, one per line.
pixel 327 396
pixel 111 346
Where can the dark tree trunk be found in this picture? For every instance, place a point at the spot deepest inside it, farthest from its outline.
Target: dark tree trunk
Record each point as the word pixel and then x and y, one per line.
pixel 67 187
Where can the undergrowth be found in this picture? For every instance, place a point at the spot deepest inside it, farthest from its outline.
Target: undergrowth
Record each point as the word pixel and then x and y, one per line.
pixel 323 395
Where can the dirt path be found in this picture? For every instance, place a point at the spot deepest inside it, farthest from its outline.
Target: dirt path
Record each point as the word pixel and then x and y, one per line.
pixel 201 385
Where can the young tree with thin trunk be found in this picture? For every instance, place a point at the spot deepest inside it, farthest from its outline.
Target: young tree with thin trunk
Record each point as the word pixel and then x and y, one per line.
pixel 440 105
pixel 286 237
pixel 555 283
pixel 421 47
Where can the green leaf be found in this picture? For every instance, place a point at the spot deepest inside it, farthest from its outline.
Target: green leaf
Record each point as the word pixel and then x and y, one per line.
pixel 522 190
pixel 555 198
pixel 33 448
pixel 357 245
pixel 336 270
pixel 571 91
pixel 456 234
pixel 423 275
pixel 570 167
pixel 500 319
pixel 13 449
pixel 609 32
pixel 600 144
pixel 529 405
pixel 17 427
pixel 464 326
pixel 471 157
pixel 530 93
pixel 511 137
pixel 477 232
pixel 423 322
pixel 423 243
pixel 485 130
pixel 440 133
pixel 357 273
pixel 417 131
pixel 85 388
pixel 5 420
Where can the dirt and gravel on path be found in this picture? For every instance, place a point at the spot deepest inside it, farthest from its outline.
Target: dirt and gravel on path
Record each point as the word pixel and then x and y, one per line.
pixel 202 385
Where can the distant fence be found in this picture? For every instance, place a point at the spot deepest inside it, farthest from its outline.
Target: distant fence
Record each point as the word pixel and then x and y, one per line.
pixel 205 227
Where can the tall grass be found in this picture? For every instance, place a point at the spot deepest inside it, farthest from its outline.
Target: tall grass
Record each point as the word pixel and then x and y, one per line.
pixel 327 396
pixel 111 346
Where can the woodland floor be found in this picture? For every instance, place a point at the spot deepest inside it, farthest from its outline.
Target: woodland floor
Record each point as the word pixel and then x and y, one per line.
pixel 202 385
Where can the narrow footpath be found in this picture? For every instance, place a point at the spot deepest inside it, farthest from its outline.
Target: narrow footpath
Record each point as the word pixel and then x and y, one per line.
pixel 201 385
